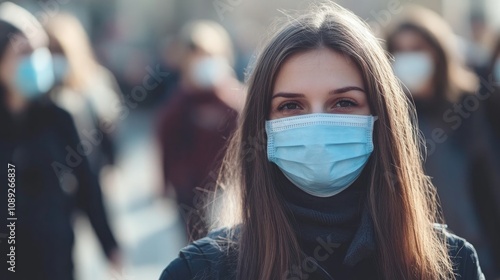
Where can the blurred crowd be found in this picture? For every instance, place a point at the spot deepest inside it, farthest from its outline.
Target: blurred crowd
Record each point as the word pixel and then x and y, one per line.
pixel 60 109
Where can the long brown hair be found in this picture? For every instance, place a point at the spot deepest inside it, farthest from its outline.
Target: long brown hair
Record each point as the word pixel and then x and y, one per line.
pixel 401 200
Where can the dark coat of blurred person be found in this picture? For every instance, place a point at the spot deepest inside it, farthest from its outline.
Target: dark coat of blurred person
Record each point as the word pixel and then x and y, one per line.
pixel 199 117
pixel 490 89
pixel 84 88
pixel 52 177
pixel 460 145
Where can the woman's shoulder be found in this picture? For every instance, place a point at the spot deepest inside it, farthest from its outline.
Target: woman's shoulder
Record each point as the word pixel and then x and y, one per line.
pixel 463 255
pixel 210 257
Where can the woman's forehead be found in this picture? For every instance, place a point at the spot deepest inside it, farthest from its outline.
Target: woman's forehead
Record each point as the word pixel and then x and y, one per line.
pixel 318 68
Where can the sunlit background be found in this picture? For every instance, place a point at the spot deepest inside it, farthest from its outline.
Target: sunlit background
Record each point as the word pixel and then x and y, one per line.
pixel 135 38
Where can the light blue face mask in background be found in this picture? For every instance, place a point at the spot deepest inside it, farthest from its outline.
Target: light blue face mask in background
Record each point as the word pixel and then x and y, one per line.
pixel 35 74
pixel 322 154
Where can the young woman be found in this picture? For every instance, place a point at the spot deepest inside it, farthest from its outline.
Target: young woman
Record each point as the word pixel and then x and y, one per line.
pixel 323 178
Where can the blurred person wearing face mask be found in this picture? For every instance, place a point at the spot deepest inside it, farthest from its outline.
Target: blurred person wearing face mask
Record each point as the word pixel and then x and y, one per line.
pixel 40 142
pixel 84 88
pixel 459 142
pixel 195 124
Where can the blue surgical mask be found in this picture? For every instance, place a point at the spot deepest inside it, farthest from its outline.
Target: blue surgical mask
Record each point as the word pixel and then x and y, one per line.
pixel 322 154
pixel 35 74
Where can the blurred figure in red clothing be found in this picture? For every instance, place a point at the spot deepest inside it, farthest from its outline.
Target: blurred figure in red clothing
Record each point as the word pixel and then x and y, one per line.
pixel 198 119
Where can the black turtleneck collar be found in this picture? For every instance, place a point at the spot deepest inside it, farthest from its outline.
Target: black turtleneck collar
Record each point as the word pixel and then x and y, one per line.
pixel 342 219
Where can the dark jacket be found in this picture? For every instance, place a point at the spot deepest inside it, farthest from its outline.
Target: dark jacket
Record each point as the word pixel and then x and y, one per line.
pixel 52 180
pixel 207 259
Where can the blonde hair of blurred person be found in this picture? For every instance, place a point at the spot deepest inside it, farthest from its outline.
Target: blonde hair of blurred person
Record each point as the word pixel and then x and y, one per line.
pixel 449 78
pixel 86 89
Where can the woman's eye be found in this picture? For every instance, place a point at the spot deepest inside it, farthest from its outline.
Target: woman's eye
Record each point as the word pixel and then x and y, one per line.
pixel 345 103
pixel 289 106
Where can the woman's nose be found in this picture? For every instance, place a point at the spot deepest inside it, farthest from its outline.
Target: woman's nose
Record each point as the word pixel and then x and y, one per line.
pixel 318 107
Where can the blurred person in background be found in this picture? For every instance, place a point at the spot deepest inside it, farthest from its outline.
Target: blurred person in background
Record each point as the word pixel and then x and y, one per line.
pixel 84 88
pixel 197 120
pixel 52 175
pixel 459 142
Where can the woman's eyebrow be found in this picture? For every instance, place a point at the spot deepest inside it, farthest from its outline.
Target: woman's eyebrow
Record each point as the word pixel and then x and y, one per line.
pixel 288 95
pixel 335 91
pixel 346 89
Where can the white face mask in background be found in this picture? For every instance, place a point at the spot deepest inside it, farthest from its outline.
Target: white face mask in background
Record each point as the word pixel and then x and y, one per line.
pixel 414 69
pixel 207 72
